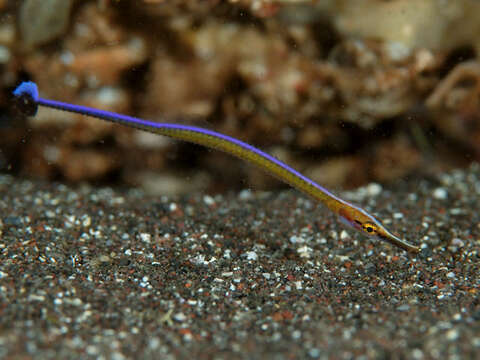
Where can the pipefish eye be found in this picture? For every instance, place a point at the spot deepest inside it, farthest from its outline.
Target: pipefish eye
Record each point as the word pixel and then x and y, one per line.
pixel 370 228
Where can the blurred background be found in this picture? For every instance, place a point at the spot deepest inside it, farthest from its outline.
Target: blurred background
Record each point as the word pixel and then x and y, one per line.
pixel 347 92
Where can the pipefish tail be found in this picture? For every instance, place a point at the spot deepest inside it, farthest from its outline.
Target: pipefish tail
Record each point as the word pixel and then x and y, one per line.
pixel 27 97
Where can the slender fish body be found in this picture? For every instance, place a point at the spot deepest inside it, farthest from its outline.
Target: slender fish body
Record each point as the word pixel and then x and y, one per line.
pixel 351 215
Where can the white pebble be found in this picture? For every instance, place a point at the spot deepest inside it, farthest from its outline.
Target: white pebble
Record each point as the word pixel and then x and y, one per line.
pixel 451 275
pixel 374 189
pixel 457 242
pixel 245 195
pixel 145 237
pixel 296 239
pixel 207 199
pixel 452 335
pixel 180 317
pixel 440 193
pixel 456 211
pixel 296 334
pixel 304 251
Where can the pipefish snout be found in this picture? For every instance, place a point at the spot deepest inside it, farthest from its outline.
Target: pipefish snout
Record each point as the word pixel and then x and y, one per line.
pixel 28 99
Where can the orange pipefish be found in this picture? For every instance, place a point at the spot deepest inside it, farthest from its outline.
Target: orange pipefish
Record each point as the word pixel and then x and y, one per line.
pixel 351 215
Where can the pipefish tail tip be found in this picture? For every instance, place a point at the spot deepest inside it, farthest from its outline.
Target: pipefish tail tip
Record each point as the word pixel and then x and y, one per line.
pixel 26 97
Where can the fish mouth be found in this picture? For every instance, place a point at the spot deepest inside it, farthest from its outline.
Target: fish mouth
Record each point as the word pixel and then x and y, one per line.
pixel 394 240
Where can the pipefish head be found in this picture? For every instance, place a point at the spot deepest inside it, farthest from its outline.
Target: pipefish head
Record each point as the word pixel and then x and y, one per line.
pixel 367 224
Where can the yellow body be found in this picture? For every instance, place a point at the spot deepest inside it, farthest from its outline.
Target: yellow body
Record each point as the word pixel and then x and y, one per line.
pixel 252 157
pixel 350 214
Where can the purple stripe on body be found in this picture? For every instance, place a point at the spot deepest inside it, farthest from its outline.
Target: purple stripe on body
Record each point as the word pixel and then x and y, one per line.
pixel 107 115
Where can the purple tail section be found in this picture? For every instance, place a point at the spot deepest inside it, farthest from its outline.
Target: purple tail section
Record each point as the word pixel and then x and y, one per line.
pixel 29 92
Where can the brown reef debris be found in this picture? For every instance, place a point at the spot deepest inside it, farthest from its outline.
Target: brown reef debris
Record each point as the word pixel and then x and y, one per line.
pixel 335 89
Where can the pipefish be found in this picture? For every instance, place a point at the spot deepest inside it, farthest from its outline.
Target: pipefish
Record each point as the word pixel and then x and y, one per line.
pixel 26 95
